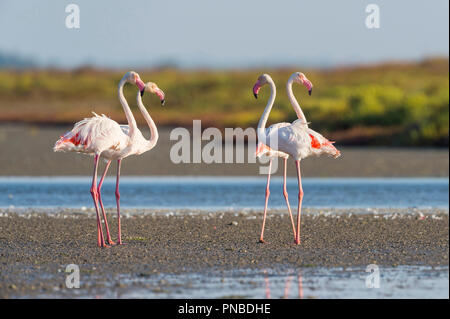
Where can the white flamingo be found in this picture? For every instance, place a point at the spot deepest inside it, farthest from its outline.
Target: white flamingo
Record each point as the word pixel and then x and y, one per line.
pixel 102 137
pixel 289 139
pixel 263 149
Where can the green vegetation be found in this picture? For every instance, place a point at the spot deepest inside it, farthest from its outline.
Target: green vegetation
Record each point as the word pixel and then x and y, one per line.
pixel 389 104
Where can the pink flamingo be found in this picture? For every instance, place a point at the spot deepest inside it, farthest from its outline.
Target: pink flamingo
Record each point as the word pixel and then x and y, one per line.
pixel 102 137
pixel 289 139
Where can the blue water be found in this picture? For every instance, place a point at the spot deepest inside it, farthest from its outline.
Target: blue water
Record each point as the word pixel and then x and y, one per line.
pixel 313 282
pixel 225 192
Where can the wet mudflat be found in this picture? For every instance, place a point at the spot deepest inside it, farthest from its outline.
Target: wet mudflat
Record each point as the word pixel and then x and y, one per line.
pixel 166 250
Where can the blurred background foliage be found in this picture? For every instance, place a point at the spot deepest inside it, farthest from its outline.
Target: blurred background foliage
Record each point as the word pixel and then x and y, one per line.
pixel 397 104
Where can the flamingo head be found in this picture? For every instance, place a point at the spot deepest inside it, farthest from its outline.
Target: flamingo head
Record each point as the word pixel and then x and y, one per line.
pixel 300 78
pixel 153 88
pixel 263 79
pixel 134 78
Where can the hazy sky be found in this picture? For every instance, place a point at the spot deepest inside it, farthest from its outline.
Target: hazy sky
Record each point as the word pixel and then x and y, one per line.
pixel 231 33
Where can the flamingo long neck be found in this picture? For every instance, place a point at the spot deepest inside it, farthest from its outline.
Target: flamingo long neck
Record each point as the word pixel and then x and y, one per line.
pixel 151 124
pixel 294 102
pixel 130 118
pixel 265 115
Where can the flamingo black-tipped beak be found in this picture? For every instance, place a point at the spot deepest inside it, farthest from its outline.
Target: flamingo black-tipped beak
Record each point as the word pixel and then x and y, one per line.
pixel 142 92
pixel 256 95
pixel 310 91
pixel 162 102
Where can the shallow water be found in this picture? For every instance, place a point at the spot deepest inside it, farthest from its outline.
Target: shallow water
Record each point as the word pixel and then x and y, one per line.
pixel 400 282
pixel 216 193
pixel 394 282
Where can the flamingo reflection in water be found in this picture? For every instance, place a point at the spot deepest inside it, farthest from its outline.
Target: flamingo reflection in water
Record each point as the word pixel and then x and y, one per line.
pixel 287 285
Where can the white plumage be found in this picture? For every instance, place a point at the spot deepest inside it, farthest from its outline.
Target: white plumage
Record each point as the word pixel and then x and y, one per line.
pixel 297 140
pixel 289 139
pixel 105 137
pixel 294 139
pixel 102 137
pixel 95 135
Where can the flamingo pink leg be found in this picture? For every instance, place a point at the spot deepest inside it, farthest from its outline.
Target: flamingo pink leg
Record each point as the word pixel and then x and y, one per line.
pixel 119 242
pixel 285 193
pixel 267 287
pixel 108 235
pixel 287 286
pixel 94 193
pixel 300 199
pixel 300 285
pixel 261 239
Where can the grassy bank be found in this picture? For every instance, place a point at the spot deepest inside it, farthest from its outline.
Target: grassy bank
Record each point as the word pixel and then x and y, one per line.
pixel 389 104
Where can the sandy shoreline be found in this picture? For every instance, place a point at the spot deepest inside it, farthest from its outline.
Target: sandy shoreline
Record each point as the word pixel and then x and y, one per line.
pixel 36 247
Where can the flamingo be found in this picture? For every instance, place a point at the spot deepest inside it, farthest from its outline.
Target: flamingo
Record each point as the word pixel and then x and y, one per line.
pixel 289 139
pixel 102 137
pixel 263 149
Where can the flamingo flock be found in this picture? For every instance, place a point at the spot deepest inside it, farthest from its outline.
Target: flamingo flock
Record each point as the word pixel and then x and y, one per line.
pixel 101 137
